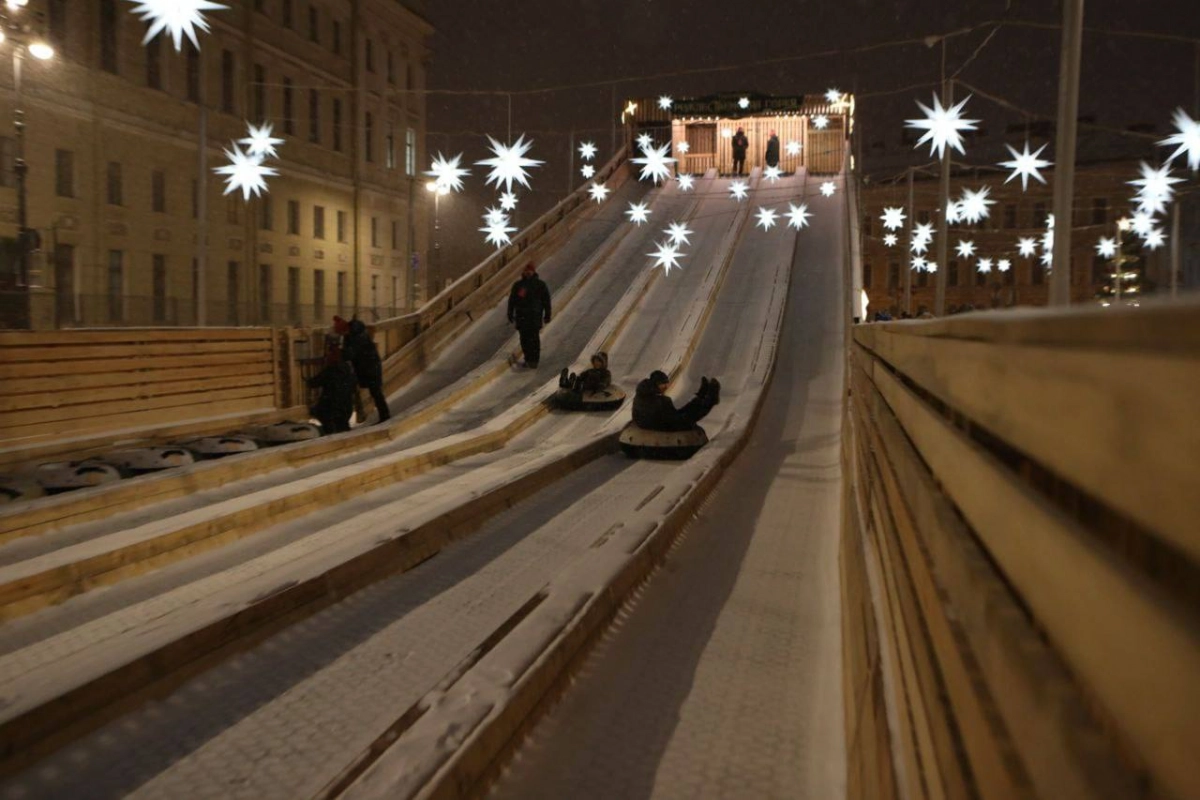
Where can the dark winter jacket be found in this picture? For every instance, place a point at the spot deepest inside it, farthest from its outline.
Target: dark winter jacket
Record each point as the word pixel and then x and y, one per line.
pixel 360 352
pixel 596 379
pixel 655 411
pixel 338 385
pixel 740 143
pixel 772 156
pixel 529 302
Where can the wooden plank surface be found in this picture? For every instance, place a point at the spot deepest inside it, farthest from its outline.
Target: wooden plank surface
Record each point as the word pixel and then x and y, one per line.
pixel 255 347
pixel 84 401
pixel 49 369
pixel 91 336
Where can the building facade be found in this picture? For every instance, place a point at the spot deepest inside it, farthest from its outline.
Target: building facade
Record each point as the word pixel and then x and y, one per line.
pixel 122 137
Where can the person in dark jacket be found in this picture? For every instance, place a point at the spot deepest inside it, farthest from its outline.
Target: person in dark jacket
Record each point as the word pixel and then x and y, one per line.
pixel 529 310
pixel 772 154
pixel 361 353
pixel 655 411
pixel 338 386
pixel 596 379
pixel 740 144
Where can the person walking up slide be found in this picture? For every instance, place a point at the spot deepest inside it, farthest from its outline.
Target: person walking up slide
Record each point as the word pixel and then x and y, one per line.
pixel 529 310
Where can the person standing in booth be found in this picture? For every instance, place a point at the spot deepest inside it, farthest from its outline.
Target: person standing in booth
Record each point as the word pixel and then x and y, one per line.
pixel 740 144
pixel 772 155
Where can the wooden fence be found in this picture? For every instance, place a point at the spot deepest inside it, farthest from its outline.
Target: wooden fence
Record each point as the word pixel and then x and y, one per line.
pixel 1021 554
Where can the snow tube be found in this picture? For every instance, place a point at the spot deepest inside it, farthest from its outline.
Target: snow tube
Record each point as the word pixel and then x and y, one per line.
pixel 217 446
pixel 285 433
pixel 148 459
pixel 66 475
pixel 603 400
pixel 14 488
pixel 667 445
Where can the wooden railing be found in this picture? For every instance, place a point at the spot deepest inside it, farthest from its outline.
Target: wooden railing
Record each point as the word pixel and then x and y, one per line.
pixel 1020 555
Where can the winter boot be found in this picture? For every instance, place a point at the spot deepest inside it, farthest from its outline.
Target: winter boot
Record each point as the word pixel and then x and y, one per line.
pixel 563 381
pixel 704 387
pixel 714 392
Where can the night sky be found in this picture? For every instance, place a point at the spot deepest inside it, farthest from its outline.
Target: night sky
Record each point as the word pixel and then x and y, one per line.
pixel 547 52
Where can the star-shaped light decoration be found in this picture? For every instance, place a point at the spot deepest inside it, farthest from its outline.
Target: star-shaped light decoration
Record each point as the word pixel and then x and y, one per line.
pixel 655 163
pixel 833 96
pixel 793 148
pixel 942 126
pixel 1187 137
pixel 666 256
pixel 931 267
pixel 1026 165
pixel 598 191
pixel 587 150
pixel 966 249
pixel 984 265
pixel 587 171
pixel 772 174
pixel 664 102
pixel 638 213
pixel 683 147
pixel 919 263
pixel 494 215
pixel 766 218
pixel 1027 246
pixel 446 172
pixel 820 122
pixel 644 140
pixel 498 231
pixel 890 239
pixel 918 245
pixel 1155 239
pixel 923 232
pixel 893 217
pixel 245 172
pixel 259 141
pixel 178 18
pixel 1004 265
pixel 685 182
pixel 828 188
pixel 798 216
pixel 954 212
pixel 744 103
pixel 678 233
pixel 1142 223
pixel 973 206
pixel 1156 188
pixel 738 190
pixel 1106 247
pixel 508 201
pixel 509 163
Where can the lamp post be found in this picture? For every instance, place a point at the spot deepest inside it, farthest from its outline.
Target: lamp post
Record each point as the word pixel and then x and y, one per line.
pixel 437 190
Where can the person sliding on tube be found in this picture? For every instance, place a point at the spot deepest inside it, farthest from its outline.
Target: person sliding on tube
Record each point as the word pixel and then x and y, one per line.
pixel 654 410
pixel 596 379
pixel 529 309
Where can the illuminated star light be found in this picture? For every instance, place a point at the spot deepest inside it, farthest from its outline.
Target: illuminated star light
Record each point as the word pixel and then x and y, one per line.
pixel 508 201
pixel 494 215
pixel 447 174
pixel 587 170
pixel 942 126
pixel 766 218
pixel 973 206
pixel 1187 137
pixel 1106 247
pixel 966 249
pixel 793 148
pixel 1155 239
pixel 954 212
pixel 245 172
pixel 1004 265
pixel 984 265
pixel 1047 258
pixel 587 150
pixel 893 218
pixel 259 141
pixel 918 245
pixel 685 182
pixel 598 191
pixel 509 163
pixel 666 256
pixel 1026 246
pixel 828 188
pixel 918 263
pixel 1156 188
pixel 644 141
pixel 744 102
pixel 1026 165
pixel 178 17
pixel 923 232
pixel 1142 223
pixel 678 233
pixel 798 216
pixel 833 96
pixel 664 102
pixel 498 231
pixel 820 122
pixel 772 173
pixel 739 190
pixel 683 147
pixel 931 266
pixel 638 213
pixel 890 239
pixel 655 163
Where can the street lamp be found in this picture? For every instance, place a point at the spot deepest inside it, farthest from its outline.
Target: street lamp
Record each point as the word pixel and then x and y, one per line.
pixel 437 190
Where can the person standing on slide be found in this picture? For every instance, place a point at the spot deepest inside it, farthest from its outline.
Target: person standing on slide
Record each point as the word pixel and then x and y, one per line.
pixel 529 310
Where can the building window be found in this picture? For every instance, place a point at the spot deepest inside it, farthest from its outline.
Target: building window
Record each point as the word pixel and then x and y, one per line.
pixel 287 13
pixel 293 294
pixel 391 68
pixel 374 231
pixel 369 134
pixel 289 108
pixel 115 189
pixel 64 173
pixel 390 152
pixel 108 35
pixel 980 278
pixel 410 77
pixel 264 292
pixel 8 160
pixel 336 36
pixel 1039 215
pixel 154 62
pixel 374 291
pixel 158 191
pixel 866 274
pixel 952 274
pixel 116 284
pixel 314 34
pixel 159 287
pixel 58 22
pixel 395 234
pixel 293 218
pixel 410 152
pixel 233 291
pixel 337 124
pixel 1099 210
pixel 866 225
pixel 260 93
pixel 923 216
pixel 233 209
pixel 1010 215
pixel 341 226
pixel 1100 268
pixel 341 292
pixel 369 56
pixel 893 279
pixel 195 199
pixel 193 73
pixel 318 294
pixel 227 69
pixel 318 222
pixel 314 116
pixel 1037 273
pixel 266 212
pixel 922 278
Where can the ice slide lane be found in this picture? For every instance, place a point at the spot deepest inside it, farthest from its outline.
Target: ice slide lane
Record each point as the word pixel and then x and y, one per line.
pixel 546 557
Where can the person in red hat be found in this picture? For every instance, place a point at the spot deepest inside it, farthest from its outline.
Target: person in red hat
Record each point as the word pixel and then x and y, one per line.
pixel 529 310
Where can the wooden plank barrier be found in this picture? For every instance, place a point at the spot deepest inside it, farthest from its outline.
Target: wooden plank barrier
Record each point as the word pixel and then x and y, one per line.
pixel 1020 555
